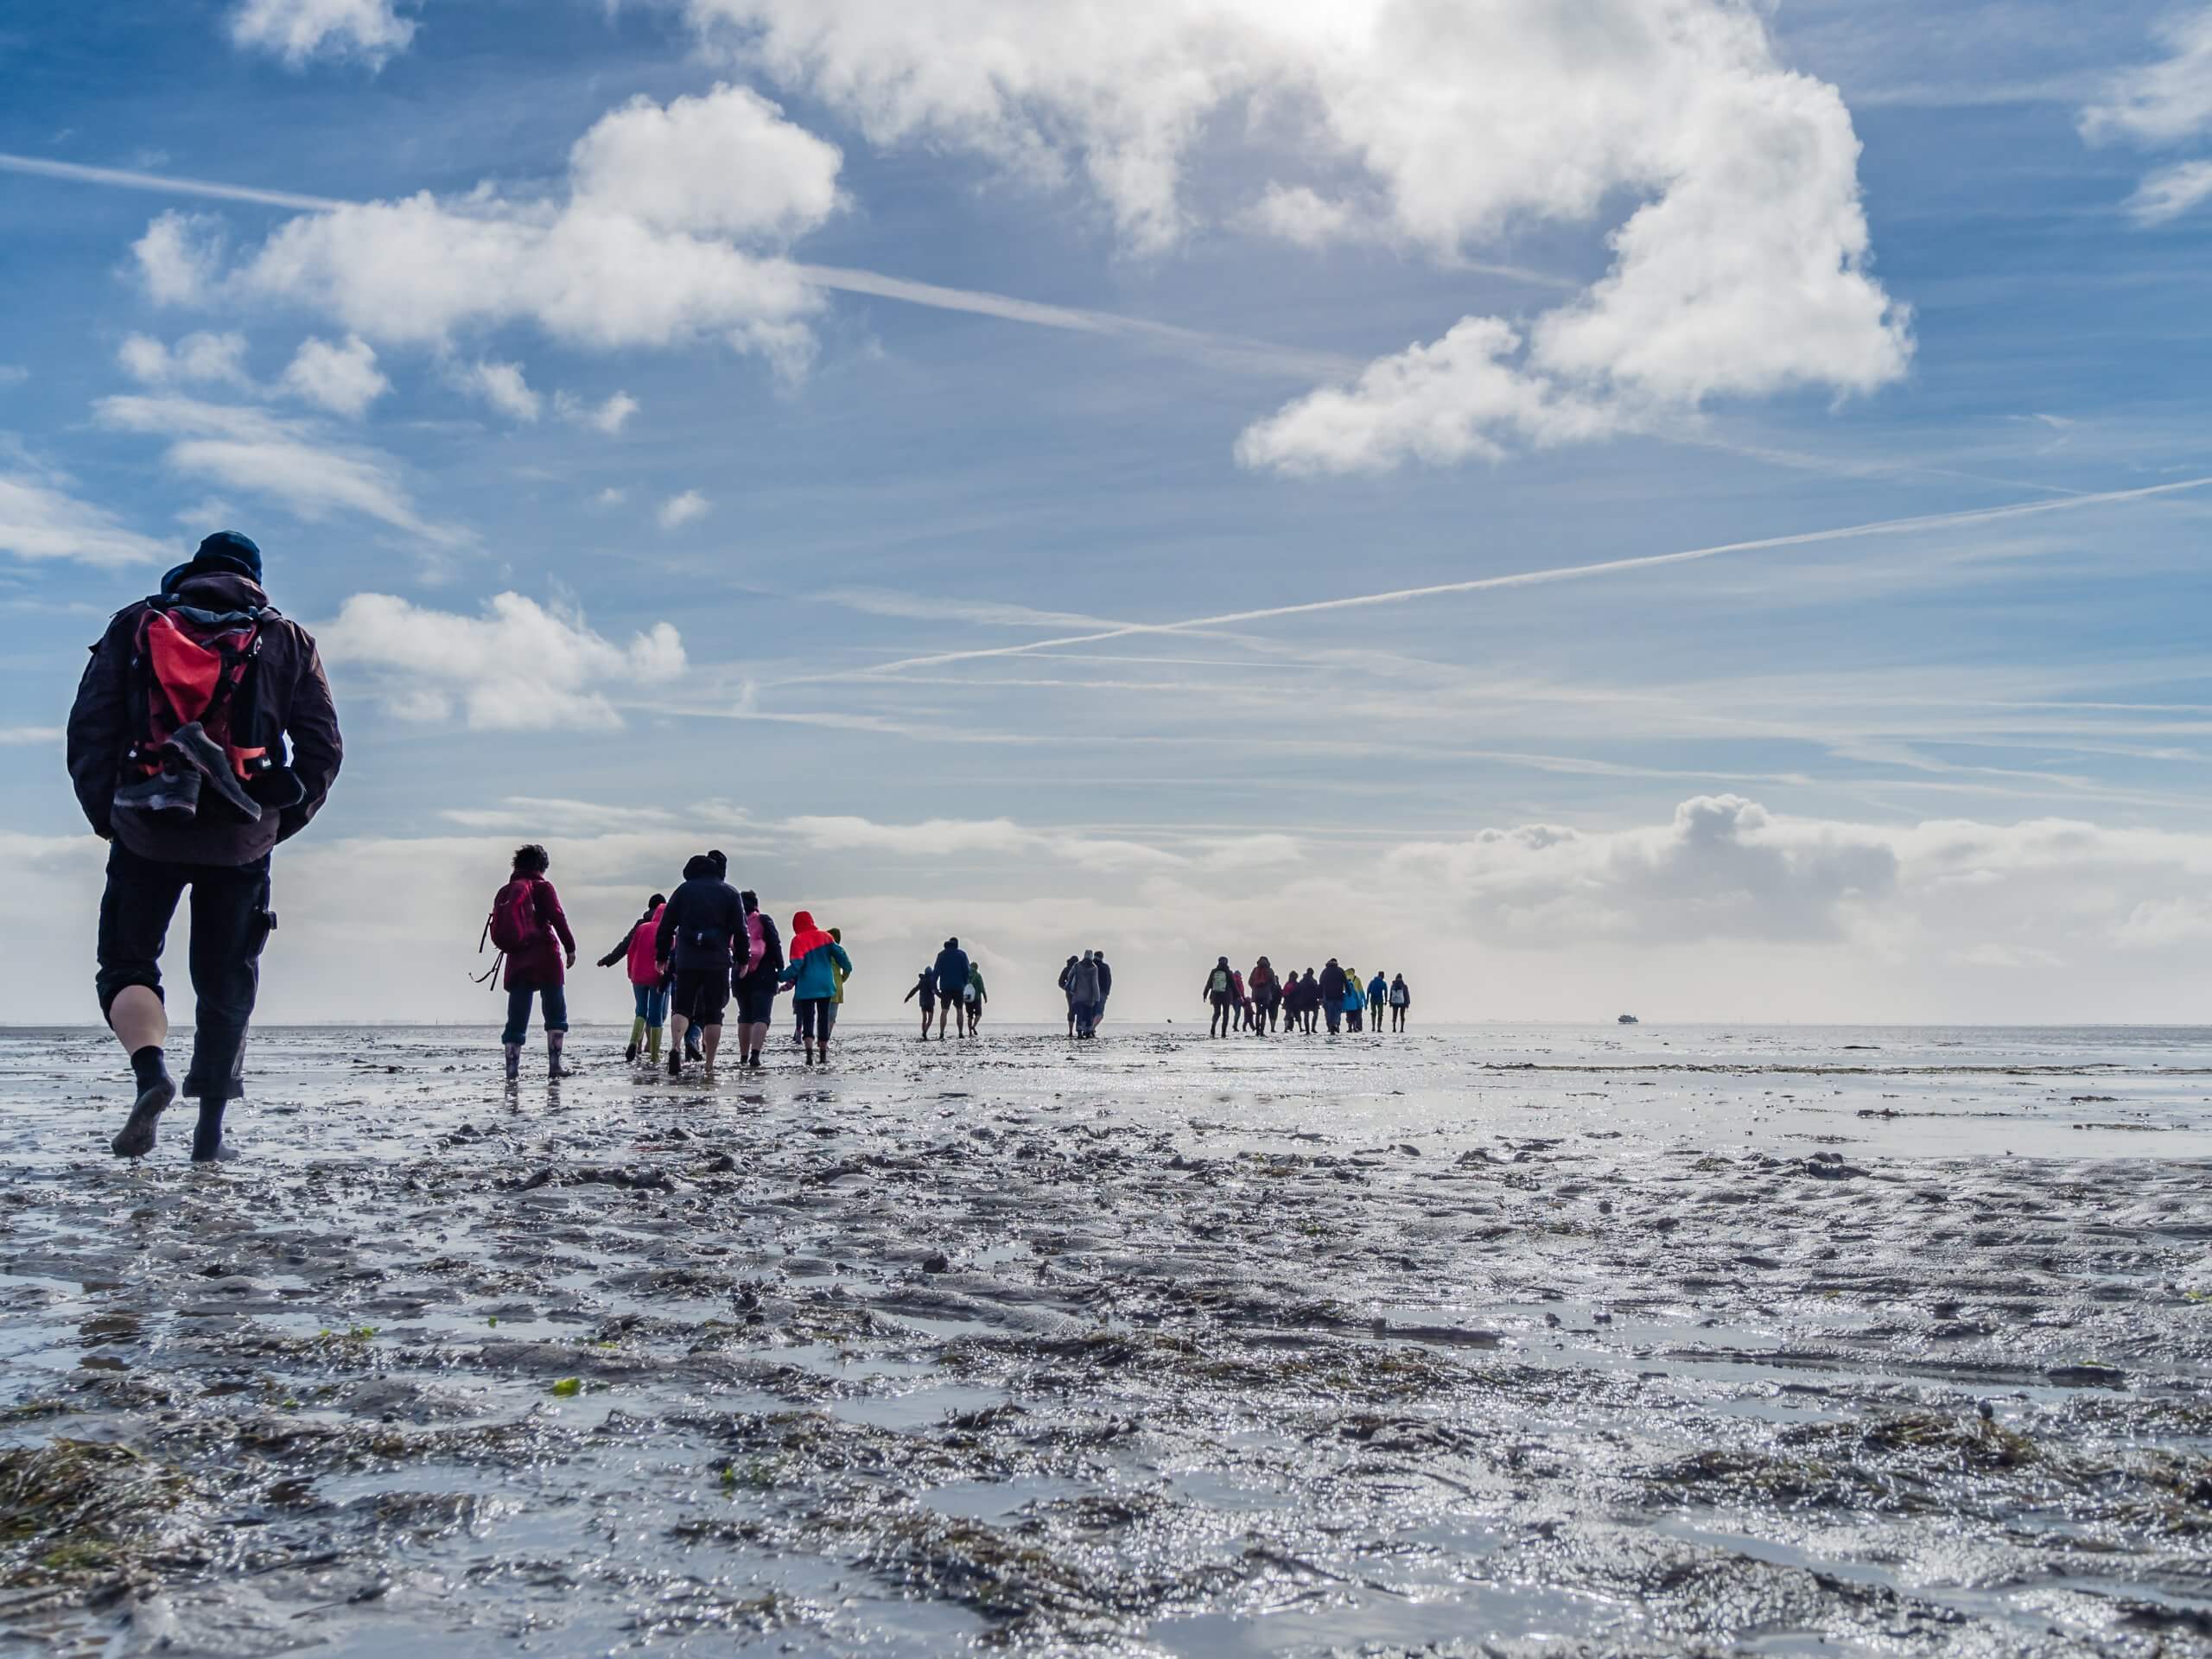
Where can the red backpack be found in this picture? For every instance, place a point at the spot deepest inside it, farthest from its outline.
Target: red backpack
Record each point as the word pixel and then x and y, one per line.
pixel 512 927
pixel 196 710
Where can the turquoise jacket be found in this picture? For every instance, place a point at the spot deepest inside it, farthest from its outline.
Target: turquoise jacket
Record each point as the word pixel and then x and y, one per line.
pixel 820 973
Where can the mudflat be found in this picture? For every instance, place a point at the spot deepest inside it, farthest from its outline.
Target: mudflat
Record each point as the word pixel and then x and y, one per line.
pixel 1470 1342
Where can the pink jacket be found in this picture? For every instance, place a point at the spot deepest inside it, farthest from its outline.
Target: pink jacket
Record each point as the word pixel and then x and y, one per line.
pixel 644 970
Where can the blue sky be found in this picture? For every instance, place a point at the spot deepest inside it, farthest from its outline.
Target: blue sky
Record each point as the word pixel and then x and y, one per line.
pixel 1950 771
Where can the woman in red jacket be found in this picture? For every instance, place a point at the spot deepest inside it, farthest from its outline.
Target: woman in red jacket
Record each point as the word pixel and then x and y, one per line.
pixel 537 964
pixel 648 985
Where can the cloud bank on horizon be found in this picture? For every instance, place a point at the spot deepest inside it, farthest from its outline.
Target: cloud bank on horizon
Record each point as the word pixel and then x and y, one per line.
pixel 1585 418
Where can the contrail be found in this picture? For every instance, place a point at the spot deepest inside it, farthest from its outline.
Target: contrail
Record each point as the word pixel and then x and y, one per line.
pixel 117 178
pixel 1563 573
pixel 1227 350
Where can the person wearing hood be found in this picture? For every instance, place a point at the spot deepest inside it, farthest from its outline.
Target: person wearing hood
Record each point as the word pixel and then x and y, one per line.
pixel 1379 994
pixel 1219 990
pixel 924 987
pixel 1105 987
pixel 975 996
pixel 1084 992
pixel 1355 999
pixel 693 941
pixel 817 961
pixel 1267 995
pixel 178 756
pixel 1332 983
pixel 1066 973
pixel 648 990
pixel 1401 1000
pixel 1310 999
pixel 951 970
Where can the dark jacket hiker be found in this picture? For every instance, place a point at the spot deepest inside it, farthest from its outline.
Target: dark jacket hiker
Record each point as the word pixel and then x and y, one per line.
pixel 203 734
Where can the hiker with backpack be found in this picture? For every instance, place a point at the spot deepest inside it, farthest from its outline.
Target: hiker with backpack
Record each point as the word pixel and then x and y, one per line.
pixel 817 971
pixel 648 985
pixel 757 979
pixel 1266 996
pixel 177 750
pixel 1401 1000
pixel 974 996
pixel 694 943
pixel 528 929
pixel 1219 990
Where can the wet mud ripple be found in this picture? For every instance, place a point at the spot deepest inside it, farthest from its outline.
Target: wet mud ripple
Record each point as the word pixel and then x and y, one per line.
pixel 897 1364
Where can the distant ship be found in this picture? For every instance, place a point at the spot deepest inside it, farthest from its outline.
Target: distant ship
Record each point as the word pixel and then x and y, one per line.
pixel 1629 1020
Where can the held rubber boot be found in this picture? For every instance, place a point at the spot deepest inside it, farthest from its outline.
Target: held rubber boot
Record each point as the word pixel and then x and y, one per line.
pixel 157 1089
pixel 213 763
pixel 553 1040
pixel 514 1061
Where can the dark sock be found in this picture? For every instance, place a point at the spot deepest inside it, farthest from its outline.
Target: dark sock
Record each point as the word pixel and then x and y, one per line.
pixel 207 1135
pixel 150 1065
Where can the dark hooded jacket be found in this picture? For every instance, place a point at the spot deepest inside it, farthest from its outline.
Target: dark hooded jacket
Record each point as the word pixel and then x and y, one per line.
pixel 951 971
pixel 294 698
pixel 1332 985
pixel 699 922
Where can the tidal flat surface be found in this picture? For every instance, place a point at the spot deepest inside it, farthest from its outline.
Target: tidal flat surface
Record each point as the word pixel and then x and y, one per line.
pixel 1480 1341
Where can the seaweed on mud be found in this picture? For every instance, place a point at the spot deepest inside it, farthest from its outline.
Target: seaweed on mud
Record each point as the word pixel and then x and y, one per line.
pixel 72 1511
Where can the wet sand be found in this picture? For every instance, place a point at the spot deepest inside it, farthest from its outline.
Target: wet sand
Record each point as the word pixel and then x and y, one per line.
pixel 1480 1342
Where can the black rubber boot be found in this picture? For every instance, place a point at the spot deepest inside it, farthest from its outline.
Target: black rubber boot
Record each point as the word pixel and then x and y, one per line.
pixel 208 1145
pixel 157 1089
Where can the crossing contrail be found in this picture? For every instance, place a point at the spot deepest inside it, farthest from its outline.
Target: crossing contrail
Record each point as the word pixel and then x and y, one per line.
pixel 118 178
pixel 1231 351
pixel 1562 573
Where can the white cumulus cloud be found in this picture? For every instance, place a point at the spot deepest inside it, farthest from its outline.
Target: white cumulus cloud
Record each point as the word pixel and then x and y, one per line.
pixel 609 416
pixel 671 229
pixel 519 666
pixel 220 359
pixel 297 31
pixel 40 519
pixel 2165 101
pixel 179 258
pixel 501 385
pixel 681 510
pixel 291 462
pixel 2159 105
pixel 342 378
pixel 1742 272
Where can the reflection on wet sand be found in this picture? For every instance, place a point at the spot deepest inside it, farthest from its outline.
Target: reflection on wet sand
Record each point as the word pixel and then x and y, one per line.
pixel 1478 1343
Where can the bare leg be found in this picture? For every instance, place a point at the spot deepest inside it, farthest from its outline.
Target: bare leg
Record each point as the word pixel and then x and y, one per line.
pixel 713 1041
pixel 139 1019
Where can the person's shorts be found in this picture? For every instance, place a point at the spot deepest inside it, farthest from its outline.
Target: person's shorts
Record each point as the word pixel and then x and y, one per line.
pixel 702 994
pixel 756 1001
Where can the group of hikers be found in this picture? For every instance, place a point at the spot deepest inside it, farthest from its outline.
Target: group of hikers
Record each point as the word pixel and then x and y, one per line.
pixel 952 986
pixel 688 956
pixel 204 734
pixel 1087 981
pixel 1257 1000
